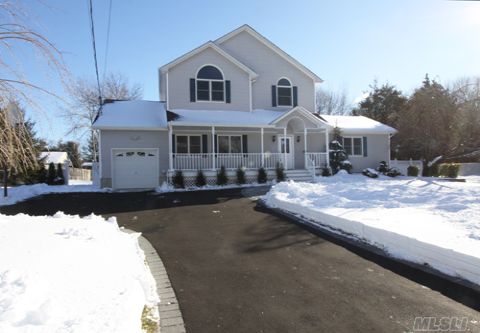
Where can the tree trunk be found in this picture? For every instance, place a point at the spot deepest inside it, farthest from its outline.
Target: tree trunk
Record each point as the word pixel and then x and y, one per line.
pixel 5 179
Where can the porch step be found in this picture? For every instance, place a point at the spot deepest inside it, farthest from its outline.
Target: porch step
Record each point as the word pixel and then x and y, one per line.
pixel 299 175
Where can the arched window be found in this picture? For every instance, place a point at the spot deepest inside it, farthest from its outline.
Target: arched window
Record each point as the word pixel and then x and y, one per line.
pixel 284 92
pixel 210 84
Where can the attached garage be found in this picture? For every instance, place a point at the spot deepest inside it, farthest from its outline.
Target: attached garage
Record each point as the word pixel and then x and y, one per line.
pixel 135 168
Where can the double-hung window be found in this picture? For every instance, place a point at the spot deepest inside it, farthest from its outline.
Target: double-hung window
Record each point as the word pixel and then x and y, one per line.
pixel 230 144
pixel 188 144
pixel 353 146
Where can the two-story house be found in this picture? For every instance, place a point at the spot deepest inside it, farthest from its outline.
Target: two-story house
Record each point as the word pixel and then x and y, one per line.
pixel 238 101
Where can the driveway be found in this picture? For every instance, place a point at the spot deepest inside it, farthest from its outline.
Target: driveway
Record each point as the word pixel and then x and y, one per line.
pixel 237 268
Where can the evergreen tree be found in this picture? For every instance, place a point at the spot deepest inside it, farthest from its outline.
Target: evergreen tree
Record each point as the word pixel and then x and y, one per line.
pixel 262 176
pixel 51 174
pixel 241 176
pixel 200 179
pixel 60 178
pixel 222 178
pixel 89 150
pixel 384 104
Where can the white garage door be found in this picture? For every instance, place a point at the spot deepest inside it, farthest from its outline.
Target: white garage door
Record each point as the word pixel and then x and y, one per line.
pixel 135 168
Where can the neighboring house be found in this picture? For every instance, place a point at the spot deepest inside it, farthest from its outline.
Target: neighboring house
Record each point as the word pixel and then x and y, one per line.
pixel 238 101
pixel 55 157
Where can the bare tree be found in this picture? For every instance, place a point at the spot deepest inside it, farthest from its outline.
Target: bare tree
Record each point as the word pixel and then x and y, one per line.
pixel 331 102
pixel 84 102
pixel 15 87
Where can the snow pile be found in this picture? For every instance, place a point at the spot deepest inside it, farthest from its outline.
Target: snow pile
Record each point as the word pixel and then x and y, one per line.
pixel 67 274
pixel 24 192
pixel 417 219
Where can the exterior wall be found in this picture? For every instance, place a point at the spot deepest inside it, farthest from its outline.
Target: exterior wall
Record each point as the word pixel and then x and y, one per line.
pixel 131 139
pixel 179 83
pixel 162 82
pixel 270 67
pixel 377 150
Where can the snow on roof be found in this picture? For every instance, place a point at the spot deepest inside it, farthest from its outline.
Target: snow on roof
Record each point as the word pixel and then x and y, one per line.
pixel 358 125
pixel 140 115
pixel 54 157
pixel 255 118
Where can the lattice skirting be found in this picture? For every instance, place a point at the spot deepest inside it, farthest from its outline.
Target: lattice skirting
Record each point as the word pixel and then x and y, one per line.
pixel 211 177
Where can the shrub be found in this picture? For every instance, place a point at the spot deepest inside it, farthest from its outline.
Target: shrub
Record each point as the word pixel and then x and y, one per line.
pixel 60 178
pixel 262 176
pixel 241 176
pixel 346 165
pixel 280 173
pixel 51 174
pixel 178 179
pixel 431 171
pixel 200 179
pixel 449 170
pixel 222 178
pixel 40 175
pixel 413 171
pixel 326 171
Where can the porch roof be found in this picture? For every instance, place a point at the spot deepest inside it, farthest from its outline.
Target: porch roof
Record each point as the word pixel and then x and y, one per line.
pixel 358 125
pixel 256 118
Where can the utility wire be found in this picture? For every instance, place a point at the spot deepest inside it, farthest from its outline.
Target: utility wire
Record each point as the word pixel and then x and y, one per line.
pixel 108 39
pixel 95 51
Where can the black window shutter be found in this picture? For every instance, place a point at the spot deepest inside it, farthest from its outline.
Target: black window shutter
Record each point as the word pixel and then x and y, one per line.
pixel 227 91
pixel 215 143
pixel 365 152
pixel 173 144
pixel 295 96
pixel 204 143
pixel 245 143
pixel 274 95
pixel 192 90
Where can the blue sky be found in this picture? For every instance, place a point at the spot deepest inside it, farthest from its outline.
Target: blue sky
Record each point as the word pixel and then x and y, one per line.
pixel 348 43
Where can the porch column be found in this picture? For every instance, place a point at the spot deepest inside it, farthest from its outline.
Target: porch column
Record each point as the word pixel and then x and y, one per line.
pixel 284 148
pixel 305 146
pixel 170 147
pixel 261 142
pixel 328 148
pixel 213 148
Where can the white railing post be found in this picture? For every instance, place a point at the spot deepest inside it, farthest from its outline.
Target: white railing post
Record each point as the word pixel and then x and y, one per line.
pixel 263 153
pixel 327 156
pixel 213 148
pixel 284 148
pixel 305 145
pixel 170 147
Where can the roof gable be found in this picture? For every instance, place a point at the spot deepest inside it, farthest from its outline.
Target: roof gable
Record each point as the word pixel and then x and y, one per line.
pixel 272 46
pixel 307 114
pixel 217 49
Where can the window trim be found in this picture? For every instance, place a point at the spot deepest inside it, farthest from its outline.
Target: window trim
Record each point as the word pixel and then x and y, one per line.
pixel 229 143
pixel 188 143
pixel 353 146
pixel 291 91
pixel 224 100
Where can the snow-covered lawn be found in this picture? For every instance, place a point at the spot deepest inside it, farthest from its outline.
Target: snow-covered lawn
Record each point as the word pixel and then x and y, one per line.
pixel 421 220
pixel 71 274
pixel 24 192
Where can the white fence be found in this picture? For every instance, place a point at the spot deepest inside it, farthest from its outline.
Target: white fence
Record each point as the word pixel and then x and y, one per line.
pixel 469 169
pixel 79 174
pixel 402 165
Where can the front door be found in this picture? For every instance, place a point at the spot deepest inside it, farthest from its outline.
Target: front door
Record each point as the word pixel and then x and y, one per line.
pixel 286 148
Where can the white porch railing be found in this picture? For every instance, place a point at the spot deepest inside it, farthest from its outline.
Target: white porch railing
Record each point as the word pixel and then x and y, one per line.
pixel 229 161
pixel 317 160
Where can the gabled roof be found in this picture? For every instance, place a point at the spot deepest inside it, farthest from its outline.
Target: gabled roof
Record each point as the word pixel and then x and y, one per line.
pixel 358 125
pixel 214 47
pixel 54 157
pixel 305 113
pixel 132 115
pixel 268 43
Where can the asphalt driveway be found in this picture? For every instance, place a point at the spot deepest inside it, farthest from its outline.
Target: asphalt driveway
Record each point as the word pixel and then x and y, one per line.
pixel 237 268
